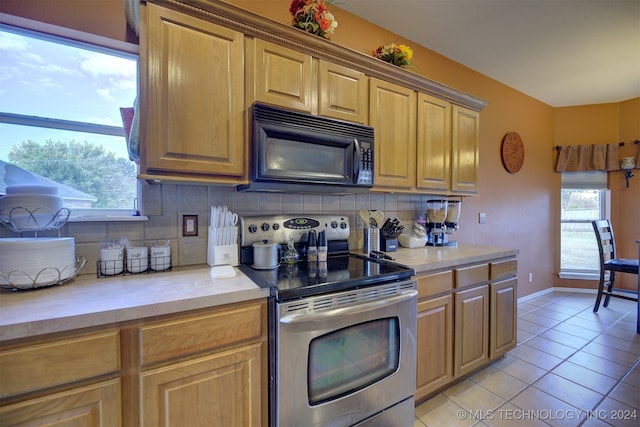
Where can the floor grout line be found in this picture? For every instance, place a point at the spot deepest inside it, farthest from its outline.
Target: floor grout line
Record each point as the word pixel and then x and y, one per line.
pixel 609 322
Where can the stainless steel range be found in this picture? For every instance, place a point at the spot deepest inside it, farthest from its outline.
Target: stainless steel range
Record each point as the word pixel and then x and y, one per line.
pixel 342 339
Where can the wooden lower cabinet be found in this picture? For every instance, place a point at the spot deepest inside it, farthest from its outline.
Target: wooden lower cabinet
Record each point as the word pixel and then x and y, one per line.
pixel 466 319
pixel 435 345
pixel 223 389
pixel 202 368
pixel 503 302
pixel 207 369
pixel 96 405
pixel 471 348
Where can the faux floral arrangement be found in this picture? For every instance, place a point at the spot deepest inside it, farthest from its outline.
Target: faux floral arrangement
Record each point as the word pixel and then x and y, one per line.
pixel 313 17
pixel 399 55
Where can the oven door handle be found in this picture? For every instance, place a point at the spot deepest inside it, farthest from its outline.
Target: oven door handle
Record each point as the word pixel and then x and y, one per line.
pixel 354 309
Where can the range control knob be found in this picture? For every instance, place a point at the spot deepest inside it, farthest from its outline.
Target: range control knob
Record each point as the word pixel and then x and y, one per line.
pixel 343 225
pixel 275 226
pixel 264 226
pixel 253 228
pixel 334 224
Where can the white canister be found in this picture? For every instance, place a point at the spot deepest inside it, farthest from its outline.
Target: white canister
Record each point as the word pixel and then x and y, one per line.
pixel 137 259
pixel 160 257
pixel 111 261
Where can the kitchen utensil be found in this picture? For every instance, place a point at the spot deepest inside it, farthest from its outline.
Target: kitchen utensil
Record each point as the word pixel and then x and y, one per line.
pixel 377 218
pixel 364 216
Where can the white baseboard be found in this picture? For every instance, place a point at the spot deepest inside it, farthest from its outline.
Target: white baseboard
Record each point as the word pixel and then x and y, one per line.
pixel 556 289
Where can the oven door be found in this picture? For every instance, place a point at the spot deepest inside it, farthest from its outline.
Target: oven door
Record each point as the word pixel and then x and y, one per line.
pixel 343 365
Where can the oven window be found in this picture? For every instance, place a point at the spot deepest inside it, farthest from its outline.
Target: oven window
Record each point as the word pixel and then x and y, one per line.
pixel 352 358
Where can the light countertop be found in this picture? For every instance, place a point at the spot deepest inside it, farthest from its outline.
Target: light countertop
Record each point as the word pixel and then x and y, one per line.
pixel 88 301
pixel 431 258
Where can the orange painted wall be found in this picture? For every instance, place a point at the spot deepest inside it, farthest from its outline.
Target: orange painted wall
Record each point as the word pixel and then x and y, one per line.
pixel 522 208
pixel 605 123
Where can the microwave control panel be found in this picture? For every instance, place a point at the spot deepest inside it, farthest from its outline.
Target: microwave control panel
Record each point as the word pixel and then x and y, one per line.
pixel 365 175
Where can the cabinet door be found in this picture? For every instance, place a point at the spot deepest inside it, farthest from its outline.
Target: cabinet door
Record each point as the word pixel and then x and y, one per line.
pixel 434 144
pixel 98 405
pixel 343 93
pixel 284 77
pixel 465 148
pixel 435 345
pixel 392 112
pixel 223 389
pixel 503 317
pixel 195 97
pixel 471 349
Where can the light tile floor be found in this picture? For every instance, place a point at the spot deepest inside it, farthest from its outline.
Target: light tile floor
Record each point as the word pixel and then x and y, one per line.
pixel 572 367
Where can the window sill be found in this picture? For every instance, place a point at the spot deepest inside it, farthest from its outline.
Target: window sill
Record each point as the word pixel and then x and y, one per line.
pixel 108 218
pixel 579 276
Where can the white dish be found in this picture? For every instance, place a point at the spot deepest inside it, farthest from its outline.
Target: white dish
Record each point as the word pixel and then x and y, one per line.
pixel 28 262
pixel 32 189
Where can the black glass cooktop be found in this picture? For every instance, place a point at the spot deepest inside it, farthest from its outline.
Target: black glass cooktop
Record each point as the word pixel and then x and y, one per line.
pixel 340 272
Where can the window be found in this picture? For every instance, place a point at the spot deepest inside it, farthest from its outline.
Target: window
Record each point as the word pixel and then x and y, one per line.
pixel 582 200
pixel 60 119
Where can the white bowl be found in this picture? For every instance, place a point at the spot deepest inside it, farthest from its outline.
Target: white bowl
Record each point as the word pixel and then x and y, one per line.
pixel 411 241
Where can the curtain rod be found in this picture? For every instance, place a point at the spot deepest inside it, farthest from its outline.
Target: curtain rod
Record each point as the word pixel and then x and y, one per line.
pixel 621 144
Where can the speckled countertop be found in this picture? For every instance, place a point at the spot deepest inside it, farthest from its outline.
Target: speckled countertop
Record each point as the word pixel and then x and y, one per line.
pixel 88 301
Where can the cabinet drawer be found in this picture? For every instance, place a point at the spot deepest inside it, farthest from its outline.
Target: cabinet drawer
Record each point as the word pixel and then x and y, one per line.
pixel 504 268
pixel 433 284
pixel 59 362
pixel 181 337
pixel 466 276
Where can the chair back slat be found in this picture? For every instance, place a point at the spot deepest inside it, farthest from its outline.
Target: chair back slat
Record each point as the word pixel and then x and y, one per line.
pixel 606 242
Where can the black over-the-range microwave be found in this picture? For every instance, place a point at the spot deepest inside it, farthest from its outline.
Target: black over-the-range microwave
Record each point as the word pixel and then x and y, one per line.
pixel 293 151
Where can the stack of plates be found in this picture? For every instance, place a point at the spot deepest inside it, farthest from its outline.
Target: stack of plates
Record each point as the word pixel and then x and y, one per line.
pixel 30 207
pixel 29 262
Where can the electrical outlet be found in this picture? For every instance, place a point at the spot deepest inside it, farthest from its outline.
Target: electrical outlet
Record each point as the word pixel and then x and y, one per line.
pixel 482 218
pixel 189 225
pixel 530 277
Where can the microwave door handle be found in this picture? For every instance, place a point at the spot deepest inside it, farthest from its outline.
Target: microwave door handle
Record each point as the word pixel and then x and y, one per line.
pixel 346 311
pixel 356 162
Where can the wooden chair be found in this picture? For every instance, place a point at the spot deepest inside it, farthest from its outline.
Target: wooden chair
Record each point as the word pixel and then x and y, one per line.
pixel 609 262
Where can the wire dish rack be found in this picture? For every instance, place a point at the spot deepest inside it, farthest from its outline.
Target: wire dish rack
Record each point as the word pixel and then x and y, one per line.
pixel 122 267
pixel 48 276
pixel 20 219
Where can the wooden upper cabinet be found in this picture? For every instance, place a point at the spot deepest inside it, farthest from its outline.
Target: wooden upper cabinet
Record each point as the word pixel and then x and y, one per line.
pixel 194 85
pixel 295 80
pixel 343 93
pixel 392 112
pixel 283 77
pixel 434 144
pixel 465 149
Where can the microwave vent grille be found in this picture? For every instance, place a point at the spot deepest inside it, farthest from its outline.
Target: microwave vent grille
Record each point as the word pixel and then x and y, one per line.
pixel 307 122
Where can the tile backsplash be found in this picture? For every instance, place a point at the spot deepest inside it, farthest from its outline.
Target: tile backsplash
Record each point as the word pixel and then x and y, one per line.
pixel 165 204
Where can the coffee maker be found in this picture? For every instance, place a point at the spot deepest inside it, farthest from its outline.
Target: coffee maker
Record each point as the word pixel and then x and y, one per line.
pixel 436 216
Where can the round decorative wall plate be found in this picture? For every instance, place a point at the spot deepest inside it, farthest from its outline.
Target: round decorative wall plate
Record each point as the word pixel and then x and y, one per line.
pixel 512 152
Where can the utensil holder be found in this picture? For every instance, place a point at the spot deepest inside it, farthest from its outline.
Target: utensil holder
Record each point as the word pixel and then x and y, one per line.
pixel 388 244
pixel 220 255
pixel 371 240
pixel 220 250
